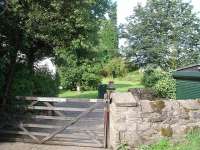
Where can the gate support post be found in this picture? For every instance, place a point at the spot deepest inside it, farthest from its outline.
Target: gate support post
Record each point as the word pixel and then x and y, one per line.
pixel 106 123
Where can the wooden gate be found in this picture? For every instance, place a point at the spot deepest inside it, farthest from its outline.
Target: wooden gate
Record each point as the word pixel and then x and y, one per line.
pixel 79 122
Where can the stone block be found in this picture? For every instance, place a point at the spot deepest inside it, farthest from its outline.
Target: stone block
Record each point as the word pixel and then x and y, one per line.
pixel 195 115
pixel 124 99
pixel 190 104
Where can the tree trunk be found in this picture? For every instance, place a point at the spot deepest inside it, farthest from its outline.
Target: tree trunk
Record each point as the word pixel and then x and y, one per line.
pixel 11 71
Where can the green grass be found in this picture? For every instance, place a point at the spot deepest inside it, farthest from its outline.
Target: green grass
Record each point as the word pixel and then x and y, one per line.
pixel 132 80
pixel 192 142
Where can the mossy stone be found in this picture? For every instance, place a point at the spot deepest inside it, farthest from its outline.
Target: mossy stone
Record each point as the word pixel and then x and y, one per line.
pixel 157 105
pixel 166 132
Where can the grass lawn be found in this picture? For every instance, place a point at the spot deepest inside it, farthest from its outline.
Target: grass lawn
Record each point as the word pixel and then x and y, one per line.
pixel 132 80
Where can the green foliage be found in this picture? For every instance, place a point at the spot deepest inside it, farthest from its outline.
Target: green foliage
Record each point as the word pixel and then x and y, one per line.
pixel 32 30
pixel 86 75
pixel 23 82
pixel 116 65
pixel 123 146
pixel 45 84
pixel 152 75
pixel 163 32
pixel 90 81
pixel 160 81
pixel 162 145
pixel 191 143
pixel 166 87
pixel 39 83
pixel 108 35
pixel 122 84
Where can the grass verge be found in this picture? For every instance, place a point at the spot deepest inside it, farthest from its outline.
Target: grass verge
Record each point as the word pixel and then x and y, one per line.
pixel 192 142
pixel 132 80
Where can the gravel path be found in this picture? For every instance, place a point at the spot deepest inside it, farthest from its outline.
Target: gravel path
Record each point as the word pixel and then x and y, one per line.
pixel 26 146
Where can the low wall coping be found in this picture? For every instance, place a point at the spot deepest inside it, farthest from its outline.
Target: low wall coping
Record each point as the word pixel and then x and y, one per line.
pixel 124 99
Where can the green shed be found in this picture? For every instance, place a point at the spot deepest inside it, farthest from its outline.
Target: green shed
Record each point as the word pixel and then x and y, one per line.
pixel 188 82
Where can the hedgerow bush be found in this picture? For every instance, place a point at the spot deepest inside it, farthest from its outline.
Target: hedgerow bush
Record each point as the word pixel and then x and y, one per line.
pixel 86 75
pixel 152 75
pixel 160 81
pixel 165 87
pixel 23 81
pixel 117 66
pixel 45 84
pixel 39 82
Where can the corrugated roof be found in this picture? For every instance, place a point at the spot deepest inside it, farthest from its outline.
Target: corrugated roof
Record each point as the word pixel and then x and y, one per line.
pixel 190 66
pixel 186 75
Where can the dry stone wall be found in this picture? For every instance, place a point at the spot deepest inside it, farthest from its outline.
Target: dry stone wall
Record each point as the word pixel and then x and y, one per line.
pixel 137 122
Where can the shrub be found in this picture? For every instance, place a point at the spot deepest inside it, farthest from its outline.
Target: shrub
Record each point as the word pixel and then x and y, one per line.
pixel 38 83
pixel 44 83
pixel 160 81
pixel 116 65
pixel 22 82
pixel 165 87
pixel 123 146
pixel 152 76
pixel 90 81
pixel 86 74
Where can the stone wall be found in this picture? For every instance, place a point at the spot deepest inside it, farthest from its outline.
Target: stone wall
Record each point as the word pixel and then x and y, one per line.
pixel 137 122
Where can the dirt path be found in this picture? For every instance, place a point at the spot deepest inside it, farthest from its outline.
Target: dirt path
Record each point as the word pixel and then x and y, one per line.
pixel 26 146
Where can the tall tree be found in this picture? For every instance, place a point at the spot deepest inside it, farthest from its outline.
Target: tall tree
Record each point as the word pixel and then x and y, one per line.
pixel 108 34
pixel 163 32
pixel 33 29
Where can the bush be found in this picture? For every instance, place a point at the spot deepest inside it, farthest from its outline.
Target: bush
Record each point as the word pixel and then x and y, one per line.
pixel 86 75
pixel 165 88
pixel 152 76
pixel 44 83
pixel 116 65
pixel 160 81
pixel 90 81
pixel 22 82
pixel 38 83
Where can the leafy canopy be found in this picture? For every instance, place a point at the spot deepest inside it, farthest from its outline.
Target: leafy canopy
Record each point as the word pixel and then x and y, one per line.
pixel 163 32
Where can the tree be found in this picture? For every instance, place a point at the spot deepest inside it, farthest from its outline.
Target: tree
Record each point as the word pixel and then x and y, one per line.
pixel 77 47
pixel 31 30
pixel 163 32
pixel 108 34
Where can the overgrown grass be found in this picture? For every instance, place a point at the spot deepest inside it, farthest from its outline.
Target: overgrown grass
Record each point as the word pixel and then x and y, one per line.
pixel 132 80
pixel 192 142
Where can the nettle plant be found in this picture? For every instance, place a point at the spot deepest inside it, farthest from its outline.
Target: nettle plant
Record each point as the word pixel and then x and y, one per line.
pixel 123 146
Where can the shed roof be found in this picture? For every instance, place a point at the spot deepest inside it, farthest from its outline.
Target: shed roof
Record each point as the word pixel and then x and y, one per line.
pixel 189 66
pixel 186 75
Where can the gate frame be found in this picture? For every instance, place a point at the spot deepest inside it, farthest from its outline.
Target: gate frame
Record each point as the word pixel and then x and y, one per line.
pixel 47 101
